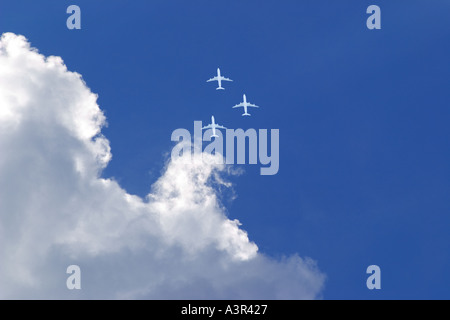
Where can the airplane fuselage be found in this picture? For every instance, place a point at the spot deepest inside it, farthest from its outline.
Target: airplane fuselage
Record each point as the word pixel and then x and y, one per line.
pixel 245 103
pixel 213 123
pixel 219 79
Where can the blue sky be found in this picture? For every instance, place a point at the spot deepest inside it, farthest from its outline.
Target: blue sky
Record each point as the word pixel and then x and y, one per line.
pixel 364 150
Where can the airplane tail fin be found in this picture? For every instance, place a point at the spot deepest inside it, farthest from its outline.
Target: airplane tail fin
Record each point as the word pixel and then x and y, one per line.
pixel 215 136
pixel 220 88
pixel 246 114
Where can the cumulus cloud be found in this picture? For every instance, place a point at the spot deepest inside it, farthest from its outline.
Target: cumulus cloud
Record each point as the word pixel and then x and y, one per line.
pixel 56 210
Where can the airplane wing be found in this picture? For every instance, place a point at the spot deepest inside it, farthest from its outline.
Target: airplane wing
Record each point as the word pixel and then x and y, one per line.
pixel 219 126
pixel 212 79
pixel 239 105
pixel 207 127
pixel 252 105
pixel 226 79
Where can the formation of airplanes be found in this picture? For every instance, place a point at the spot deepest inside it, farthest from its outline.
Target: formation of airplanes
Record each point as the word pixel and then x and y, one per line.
pixel 244 104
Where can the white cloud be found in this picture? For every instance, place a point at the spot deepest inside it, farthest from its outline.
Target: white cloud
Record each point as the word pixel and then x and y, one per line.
pixel 55 210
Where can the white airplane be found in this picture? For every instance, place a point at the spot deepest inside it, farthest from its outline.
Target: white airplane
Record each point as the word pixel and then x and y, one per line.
pixel 213 126
pixel 245 105
pixel 219 79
